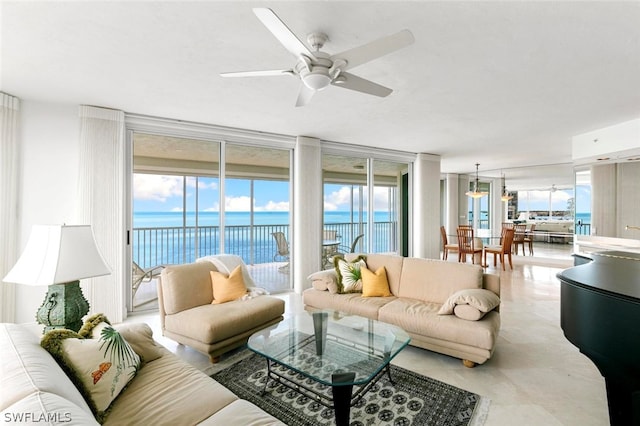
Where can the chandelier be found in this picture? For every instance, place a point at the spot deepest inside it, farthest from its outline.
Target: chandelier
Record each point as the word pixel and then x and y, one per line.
pixel 505 195
pixel 476 193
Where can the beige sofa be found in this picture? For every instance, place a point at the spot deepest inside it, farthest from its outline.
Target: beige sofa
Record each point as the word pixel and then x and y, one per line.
pixel 187 316
pixel 420 288
pixel 165 391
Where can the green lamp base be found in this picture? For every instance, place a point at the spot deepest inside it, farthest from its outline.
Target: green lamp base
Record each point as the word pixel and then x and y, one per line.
pixel 63 307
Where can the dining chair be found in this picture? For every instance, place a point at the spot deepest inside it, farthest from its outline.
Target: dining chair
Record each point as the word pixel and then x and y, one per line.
pixel 502 249
pixel 506 225
pixel 528 238
pixel 518 237
pixel 446 246
pixel 467 244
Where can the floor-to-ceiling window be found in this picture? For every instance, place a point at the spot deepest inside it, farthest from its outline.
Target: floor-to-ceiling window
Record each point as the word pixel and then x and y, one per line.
pixel 479 208
pixel 349 202
pixel 197 197
pixel 582 203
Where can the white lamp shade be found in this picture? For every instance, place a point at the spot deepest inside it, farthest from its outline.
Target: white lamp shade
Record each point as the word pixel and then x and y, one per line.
pixel 58 254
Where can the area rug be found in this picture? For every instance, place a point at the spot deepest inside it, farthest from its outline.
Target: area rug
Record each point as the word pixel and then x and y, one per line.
pixel 412 400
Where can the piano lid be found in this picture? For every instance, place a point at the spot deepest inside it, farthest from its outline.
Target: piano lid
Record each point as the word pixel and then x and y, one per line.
pixel 613 272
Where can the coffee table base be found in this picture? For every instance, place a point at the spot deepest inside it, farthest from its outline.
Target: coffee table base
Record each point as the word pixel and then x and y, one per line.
pixel 342 396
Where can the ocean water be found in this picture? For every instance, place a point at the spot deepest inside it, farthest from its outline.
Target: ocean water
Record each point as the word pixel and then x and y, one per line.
pixel 171 237
pixel 174 219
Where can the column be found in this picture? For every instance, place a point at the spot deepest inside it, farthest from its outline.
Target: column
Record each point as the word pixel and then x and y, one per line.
pixel 306 243
pixel 426 206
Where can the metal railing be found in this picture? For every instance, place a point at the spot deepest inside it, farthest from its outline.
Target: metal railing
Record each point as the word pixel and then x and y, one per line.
pixel 255 244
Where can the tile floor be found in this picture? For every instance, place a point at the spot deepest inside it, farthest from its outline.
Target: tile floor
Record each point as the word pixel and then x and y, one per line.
pixel 536 377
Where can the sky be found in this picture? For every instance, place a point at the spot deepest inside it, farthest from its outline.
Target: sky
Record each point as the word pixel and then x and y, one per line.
pixel 159 193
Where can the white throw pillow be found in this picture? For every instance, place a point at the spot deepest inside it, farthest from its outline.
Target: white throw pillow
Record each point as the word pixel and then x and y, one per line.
pixel 481 299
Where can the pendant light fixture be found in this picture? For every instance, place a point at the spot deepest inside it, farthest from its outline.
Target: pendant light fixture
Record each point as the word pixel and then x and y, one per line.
pixel 476 193
pixel 505 195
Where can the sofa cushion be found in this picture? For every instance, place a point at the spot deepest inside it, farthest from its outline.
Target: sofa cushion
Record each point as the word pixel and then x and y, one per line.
pixel 100 367
pixel 214 323
pixel 435 280
pixel 352 303
pixel 27 368
pixel 169 391
pixel 46 409
pixel 375 284
pixel 420 318
pixel 186 286
pixel 227 288
pixel 242 412
pixel 349 275
pixel 479 298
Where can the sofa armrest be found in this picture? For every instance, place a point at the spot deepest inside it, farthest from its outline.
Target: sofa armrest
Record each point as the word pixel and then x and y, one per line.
pixel 491 282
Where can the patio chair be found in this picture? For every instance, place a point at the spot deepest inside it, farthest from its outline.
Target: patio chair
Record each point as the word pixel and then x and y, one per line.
pixel 139 275
pixel 282 247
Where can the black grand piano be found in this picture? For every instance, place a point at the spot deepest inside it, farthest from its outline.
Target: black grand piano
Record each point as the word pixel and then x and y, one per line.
pixel 600 314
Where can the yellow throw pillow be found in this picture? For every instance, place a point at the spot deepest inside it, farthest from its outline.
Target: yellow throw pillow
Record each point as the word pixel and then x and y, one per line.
pixel 227 288
pixel 375 284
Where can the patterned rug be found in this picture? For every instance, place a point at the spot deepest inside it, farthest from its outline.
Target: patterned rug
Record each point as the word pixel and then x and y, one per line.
pixel 413 399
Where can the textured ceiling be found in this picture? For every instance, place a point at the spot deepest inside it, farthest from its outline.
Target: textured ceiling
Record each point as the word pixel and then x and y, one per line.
pixel 505 84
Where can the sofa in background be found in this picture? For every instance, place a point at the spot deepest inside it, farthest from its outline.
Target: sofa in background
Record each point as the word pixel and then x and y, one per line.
pixel 421 291
pixel 165 390
pixel 187 315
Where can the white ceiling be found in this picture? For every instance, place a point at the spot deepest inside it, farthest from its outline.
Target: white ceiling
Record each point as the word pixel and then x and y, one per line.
pixel 505 84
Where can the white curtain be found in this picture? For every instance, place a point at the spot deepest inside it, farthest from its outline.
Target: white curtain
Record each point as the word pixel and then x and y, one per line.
pixel 9 111
pixel 101 204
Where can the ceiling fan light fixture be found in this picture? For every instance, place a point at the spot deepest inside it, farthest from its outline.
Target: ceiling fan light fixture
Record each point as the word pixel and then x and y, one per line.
pixel 476 193
pixel 316 79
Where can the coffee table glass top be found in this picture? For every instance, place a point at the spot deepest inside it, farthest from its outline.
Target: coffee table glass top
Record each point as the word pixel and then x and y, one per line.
pixel 324 343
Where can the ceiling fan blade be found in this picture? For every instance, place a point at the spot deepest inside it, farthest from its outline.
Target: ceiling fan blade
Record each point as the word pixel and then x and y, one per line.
pixel 359 84
pixel 304 95
pixel 265 73
pixel 284 35
pixel 375 49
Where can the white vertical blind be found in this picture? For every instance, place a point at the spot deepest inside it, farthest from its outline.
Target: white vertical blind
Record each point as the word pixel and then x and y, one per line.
pixel 9 111
pixel 101 204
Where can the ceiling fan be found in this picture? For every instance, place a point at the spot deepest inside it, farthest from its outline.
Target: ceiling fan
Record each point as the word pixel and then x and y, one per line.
pixel 316 69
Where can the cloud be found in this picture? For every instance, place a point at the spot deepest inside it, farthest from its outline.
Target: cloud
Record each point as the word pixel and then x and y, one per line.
pixel 274 206
pixel 237 204
pixel 156 187
pixel 341 199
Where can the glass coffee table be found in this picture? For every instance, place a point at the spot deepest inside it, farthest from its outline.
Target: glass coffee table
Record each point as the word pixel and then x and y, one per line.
pixel 347 354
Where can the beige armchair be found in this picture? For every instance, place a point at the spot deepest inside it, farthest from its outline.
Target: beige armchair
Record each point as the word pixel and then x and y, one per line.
pixel 187 315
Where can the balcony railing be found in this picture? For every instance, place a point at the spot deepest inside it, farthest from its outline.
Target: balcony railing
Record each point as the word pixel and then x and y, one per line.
pixel 255 244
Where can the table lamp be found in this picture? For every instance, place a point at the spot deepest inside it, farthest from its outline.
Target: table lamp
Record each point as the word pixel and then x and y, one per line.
pixel 59 256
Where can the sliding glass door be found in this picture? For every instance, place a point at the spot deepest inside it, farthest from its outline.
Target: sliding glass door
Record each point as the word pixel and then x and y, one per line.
pixel 193 198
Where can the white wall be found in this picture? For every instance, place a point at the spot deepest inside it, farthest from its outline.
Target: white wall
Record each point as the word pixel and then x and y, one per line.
pixel 49 139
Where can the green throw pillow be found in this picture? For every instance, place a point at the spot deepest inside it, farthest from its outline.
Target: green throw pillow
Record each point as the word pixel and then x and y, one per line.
pixel 100 367
pixel 349 275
